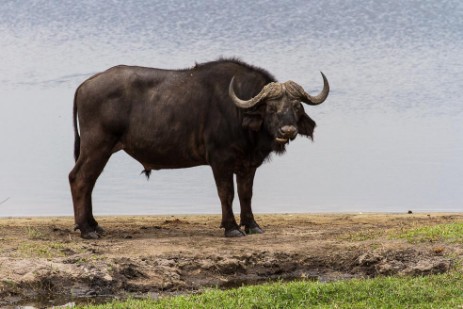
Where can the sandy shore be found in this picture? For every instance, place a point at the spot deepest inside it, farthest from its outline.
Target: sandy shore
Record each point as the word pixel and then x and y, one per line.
pixel 43 259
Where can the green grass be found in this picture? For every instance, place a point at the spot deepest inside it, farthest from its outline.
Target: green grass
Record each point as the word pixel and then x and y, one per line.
pixel 449 232
pixel 437 291
pixel 365 234
pixel 33 233
pixel 42 250
pixel 446 232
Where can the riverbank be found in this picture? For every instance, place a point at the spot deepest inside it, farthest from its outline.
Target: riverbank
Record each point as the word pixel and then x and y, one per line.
pixel 44 259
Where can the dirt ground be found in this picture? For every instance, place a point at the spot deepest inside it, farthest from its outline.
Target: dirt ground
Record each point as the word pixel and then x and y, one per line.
pixel 44 262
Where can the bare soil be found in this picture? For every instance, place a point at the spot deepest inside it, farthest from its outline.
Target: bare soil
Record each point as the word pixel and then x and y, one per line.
pixel 44 259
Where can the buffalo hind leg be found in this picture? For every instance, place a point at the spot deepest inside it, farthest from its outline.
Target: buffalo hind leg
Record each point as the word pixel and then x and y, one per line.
pixel 82 179
pixel 224 182
pixel 245 181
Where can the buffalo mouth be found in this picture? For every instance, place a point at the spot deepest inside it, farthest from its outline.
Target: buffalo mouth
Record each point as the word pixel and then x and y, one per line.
pixel 281 140
pixel 285 139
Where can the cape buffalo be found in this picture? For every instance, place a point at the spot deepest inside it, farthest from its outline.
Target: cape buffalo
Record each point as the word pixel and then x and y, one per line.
pixel 226 114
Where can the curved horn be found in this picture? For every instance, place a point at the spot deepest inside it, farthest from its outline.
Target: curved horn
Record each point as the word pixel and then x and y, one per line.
pixel 320 98
pixel 249 103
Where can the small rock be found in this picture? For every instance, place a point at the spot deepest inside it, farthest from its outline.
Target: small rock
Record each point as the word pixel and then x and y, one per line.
pixel 91 293
pixel 68 305
pixel 438 250
pixel 368 259
pixel 390 268
pixel 29 277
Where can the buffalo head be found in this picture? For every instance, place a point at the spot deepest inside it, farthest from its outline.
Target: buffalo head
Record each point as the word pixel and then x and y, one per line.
pixel 278 107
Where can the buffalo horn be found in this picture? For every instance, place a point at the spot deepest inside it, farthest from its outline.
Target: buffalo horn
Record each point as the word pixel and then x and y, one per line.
pixel 320 98
pixel 251 102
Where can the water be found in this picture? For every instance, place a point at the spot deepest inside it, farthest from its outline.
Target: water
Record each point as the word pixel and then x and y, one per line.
pixel 389 137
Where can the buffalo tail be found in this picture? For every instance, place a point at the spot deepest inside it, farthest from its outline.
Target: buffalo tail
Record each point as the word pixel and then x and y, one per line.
pixel 76 131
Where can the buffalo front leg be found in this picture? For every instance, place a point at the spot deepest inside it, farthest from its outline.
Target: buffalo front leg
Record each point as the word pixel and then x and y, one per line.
pixel 224 182
pixel 82 180
pixel 245 181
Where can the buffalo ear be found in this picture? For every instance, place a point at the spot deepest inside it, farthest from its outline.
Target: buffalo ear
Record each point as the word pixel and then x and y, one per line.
pixel 306 125
pixel 252 122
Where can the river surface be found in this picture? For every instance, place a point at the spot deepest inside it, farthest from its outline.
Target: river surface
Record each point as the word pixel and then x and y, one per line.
pixel 389 137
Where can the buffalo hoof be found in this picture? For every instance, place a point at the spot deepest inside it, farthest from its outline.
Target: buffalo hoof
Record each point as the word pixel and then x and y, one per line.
pixel 253 230
pixel 100 231
pixel 92 233
pixel 234 233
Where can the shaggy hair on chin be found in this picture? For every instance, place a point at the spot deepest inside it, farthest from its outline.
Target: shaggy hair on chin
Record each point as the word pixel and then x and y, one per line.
pixel 147 173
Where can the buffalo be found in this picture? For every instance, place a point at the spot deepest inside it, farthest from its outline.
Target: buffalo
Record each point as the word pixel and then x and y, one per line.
pixel 226 114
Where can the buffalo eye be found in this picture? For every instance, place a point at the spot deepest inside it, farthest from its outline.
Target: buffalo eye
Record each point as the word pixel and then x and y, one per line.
pixel 297 106
pixel 271 109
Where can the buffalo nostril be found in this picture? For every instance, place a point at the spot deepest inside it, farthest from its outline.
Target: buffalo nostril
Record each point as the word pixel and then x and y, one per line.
pixel 288 130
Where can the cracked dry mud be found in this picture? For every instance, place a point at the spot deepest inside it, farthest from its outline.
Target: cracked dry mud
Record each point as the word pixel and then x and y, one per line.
pixel 42 258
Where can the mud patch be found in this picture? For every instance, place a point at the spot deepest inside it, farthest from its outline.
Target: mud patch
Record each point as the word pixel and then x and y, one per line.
pixel 45 260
